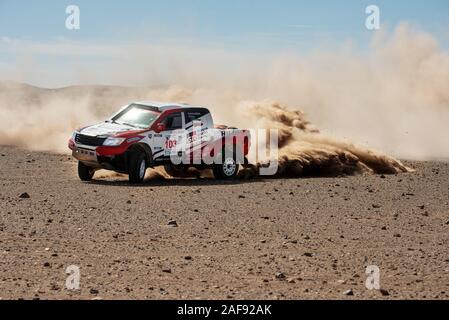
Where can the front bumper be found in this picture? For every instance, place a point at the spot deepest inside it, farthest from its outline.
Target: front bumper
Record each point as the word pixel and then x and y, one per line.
pixel 101 151
pixel 111 158
pixel 85 154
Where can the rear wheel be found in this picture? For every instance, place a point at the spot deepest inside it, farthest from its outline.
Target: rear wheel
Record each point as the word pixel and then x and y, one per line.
pixel 85 173
pixel 137 167
pixel 227 169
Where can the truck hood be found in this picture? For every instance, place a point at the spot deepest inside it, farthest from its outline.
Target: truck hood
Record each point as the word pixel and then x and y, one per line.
pixel 106 129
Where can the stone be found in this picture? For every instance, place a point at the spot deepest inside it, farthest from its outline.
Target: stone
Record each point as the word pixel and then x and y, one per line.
pixel 348 292
pixel 173 223
pixel 166 269
pixel 384 292
pixel 308 254
pixel 93 291
pixel 279 275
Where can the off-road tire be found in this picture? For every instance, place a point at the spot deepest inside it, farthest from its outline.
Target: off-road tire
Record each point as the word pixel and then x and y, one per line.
pixel 228 169
pixel 137 167
pixel 85 173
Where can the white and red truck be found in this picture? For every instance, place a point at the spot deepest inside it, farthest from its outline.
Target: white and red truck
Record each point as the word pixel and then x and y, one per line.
pixel 150 134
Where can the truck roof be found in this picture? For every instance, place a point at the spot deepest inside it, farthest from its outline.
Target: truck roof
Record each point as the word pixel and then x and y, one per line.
pixel 163 106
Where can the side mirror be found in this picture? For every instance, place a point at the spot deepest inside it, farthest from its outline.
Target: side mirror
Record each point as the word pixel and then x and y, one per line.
pixel 160 127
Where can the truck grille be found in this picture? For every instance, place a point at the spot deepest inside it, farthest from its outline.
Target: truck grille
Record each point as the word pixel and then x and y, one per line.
pixel 89 140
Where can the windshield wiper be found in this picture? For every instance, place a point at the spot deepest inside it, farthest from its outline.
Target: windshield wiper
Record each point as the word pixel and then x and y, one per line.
pixel 127 124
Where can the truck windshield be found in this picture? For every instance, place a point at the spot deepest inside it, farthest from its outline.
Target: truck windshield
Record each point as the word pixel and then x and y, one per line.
pixel 136 116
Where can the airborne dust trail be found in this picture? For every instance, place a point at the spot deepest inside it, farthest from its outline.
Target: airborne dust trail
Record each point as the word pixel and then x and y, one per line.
pixel 303 150
pixel 394 99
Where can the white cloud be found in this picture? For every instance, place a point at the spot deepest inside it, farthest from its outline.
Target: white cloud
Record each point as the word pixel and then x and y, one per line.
pixel 5 39
pixel 59 48
pixel 63 62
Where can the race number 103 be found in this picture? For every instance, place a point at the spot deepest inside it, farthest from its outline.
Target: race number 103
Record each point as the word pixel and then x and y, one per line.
pixel 243 309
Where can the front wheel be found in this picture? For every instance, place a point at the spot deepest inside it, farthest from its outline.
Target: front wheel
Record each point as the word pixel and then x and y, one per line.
pixel 227 170
pixel 137 167
pixel 85 173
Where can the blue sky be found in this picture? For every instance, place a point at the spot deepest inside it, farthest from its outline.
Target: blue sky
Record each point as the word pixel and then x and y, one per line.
pixel 215 21
pixel 238 25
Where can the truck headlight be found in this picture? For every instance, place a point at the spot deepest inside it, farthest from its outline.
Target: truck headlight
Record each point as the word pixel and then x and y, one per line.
pixel 112 142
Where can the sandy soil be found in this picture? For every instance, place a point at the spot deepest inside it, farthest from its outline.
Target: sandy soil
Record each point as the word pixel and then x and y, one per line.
pixel 232 238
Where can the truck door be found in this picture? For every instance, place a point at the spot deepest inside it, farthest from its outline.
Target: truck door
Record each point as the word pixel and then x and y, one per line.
pixel 197 123
pixel 173 136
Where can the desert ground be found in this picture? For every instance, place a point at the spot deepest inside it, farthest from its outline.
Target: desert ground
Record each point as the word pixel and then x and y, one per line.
pixel 297 238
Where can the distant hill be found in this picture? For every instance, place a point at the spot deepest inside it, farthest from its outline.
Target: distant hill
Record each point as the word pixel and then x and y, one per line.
pixel 43 118
pixel 101 98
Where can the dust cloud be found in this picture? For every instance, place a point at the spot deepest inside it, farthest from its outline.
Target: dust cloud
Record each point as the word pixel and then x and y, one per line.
pixel 303 150
pixel 394 98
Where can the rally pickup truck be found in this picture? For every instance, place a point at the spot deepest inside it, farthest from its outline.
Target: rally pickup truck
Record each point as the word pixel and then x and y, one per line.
pixel 145 135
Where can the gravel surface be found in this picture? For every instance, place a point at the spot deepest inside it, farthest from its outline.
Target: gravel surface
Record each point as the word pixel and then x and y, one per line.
pixel 307 238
